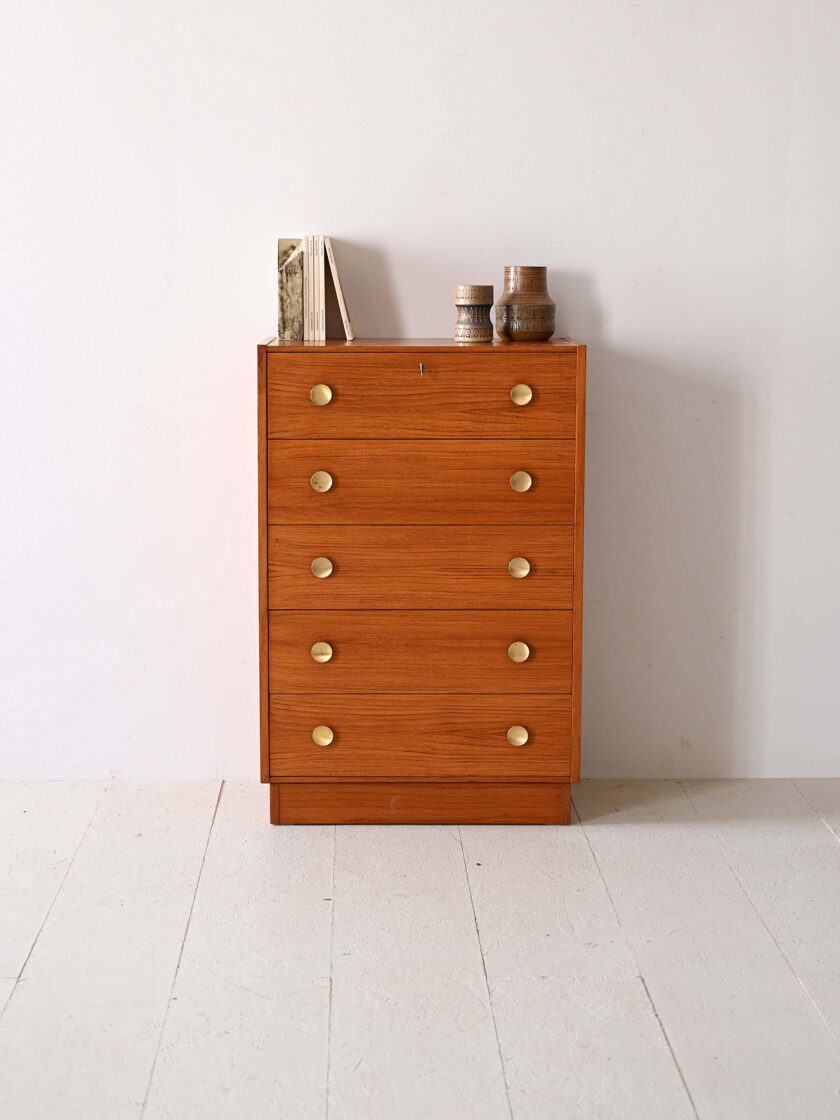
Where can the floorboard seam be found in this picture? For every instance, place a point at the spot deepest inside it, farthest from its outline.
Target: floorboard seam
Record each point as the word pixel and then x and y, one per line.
pixel 810 803
pixel 181 953
pixel 486 977
pixel 642 980
pixel 330 987
pixel 758 914
pixel 58 890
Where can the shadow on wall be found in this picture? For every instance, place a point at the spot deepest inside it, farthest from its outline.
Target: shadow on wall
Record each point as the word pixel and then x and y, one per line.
pixel 662 555
pixel 373 287
pixel 663 680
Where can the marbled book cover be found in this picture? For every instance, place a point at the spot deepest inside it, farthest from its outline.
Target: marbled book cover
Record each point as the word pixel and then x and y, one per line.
pixel 290 289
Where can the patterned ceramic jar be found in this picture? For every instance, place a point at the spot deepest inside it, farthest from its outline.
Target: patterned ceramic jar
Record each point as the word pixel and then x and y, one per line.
pixel 473 303
pixel 525 310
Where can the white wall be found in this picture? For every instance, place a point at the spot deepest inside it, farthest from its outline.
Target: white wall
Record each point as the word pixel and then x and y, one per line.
pixel 675 164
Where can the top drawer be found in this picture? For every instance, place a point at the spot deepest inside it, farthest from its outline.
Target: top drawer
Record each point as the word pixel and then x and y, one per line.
pixel 458 395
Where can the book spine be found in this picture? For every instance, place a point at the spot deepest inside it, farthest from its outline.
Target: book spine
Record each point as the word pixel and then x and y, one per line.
pixel 316 292
pixel 313 290
pixel 342 306
pixel 307 290
pixel 322 292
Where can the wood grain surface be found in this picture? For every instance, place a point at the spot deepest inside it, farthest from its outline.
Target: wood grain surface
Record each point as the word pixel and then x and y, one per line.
pixel 262 556
pixel 421 482
pixel 413 567
pixel 372 802
pixel 410 736
pixel 577 628
pixel 420 651
pixel 464 395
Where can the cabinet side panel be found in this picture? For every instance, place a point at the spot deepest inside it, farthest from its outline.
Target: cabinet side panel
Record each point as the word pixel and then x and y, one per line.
pixel 577 624
pixel 262 538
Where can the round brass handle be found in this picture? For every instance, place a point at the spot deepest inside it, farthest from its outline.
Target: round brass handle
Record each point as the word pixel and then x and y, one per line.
pixel 322 735
pixel 520 481
pixel 521 394
pixel 519 567
pixel 321 481
pixel 321 567
pixel 320 394
pixel 517 735
pixel 321 651
pixel 518 651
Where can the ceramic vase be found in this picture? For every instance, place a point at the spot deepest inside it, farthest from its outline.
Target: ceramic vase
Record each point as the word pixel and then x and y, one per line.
pixel 525 310
pixel 473 303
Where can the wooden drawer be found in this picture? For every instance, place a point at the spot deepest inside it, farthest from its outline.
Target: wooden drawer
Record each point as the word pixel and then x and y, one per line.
pixel 417 568
pixel 421 482
pixel 420 736
pixel 459 394
pixel 420 651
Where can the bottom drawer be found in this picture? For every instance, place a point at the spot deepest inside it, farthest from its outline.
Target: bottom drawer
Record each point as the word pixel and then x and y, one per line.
pixel 419 736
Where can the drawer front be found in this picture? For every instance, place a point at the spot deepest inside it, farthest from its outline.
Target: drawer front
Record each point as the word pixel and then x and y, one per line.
pixel 413 568
pixel 420 736
pixel 458 395
pixel 420 482
pixel 420 651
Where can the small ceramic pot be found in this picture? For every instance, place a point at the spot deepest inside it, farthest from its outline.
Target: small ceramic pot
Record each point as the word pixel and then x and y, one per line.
pixel 525 310
pixel 473 303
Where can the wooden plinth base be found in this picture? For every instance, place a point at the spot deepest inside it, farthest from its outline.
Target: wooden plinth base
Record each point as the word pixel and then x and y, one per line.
pixel 420 802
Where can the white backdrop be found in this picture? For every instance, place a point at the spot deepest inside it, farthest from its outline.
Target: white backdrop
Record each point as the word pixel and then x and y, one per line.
pixel 676 167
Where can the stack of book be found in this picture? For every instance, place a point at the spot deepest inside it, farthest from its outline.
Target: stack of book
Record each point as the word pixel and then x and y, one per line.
pixel 309 295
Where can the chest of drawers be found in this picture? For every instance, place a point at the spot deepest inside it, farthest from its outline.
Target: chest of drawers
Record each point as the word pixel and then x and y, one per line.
pixel 420 553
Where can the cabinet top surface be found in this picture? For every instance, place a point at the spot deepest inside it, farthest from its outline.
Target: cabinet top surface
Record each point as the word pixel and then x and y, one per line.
pixel 362 345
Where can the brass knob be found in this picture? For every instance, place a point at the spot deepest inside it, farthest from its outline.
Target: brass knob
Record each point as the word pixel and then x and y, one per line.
pixel 321 567
pixel 322 735
pixel 321 651
pixel 320 394
pixel 521 394
pixel 517 735
pixel 520 481
pixel 519 567
pixel 322 481
pixel 518 651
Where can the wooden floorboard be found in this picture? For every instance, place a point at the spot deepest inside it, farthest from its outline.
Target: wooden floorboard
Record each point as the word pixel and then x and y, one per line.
pixel 7 986
pixel 248 1019
pixel 173 955
pixel 748 1039
pixel 41 827
pixel 573 1018
pixel 81 1029
pixel 788 864
pixel 412 1033
pixel 823 794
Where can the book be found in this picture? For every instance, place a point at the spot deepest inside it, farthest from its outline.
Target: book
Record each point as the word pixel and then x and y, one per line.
pixel 311 242
pixel 342 303
pixel 306 283
pixel 316 292
pixel 290 289
pixel 322 309
pixel 311 305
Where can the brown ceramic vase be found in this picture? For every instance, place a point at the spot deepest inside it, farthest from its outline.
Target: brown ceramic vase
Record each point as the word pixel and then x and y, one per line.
pixel 525 310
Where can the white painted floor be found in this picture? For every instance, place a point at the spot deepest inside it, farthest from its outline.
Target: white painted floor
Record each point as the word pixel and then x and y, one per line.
pixel 165 952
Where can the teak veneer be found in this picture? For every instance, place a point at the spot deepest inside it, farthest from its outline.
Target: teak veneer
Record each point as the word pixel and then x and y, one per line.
pixel 415 709
pixel 413 567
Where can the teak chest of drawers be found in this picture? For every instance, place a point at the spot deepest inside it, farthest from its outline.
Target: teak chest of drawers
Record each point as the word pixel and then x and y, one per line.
pixel 420 549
